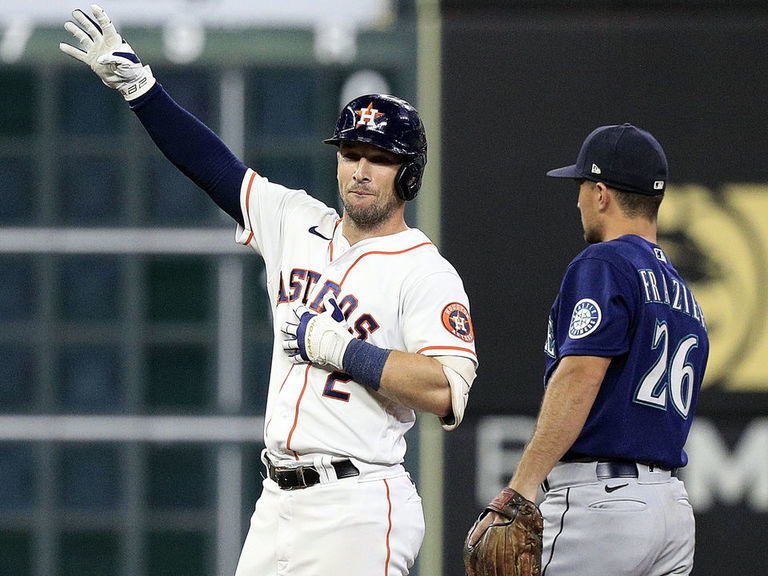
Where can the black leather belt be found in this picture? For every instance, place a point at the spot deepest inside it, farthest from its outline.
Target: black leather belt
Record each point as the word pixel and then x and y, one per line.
pixel 297 477
pixel 614 469
pixel 611 469
pixel 625 469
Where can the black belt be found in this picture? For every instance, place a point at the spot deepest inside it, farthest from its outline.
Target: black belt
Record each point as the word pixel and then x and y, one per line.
pixel 297 477
pixel 614 469
pixel 626 469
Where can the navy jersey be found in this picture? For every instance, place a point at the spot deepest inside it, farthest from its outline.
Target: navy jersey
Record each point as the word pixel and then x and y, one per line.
pixel 624 300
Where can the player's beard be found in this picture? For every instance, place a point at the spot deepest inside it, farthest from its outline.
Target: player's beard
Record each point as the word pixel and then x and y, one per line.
pixel 593 235
pixel 374 214
pixel 593 231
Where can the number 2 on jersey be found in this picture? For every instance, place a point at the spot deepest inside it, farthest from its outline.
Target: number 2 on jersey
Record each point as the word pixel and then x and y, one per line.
pixel 675 375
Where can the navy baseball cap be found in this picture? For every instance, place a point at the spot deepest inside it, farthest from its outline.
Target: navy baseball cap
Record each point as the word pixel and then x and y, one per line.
pixel 623 157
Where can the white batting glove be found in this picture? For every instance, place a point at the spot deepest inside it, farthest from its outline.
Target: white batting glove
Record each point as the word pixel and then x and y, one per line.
pixel 103 49
pixel 317 338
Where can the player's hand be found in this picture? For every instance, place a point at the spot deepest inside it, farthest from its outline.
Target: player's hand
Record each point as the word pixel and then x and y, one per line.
pixel 317 338
pixel 482 526
pixel 104 50
pixel 506 538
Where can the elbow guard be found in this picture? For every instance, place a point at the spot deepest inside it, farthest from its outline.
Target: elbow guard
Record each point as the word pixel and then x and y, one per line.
pixel 460 373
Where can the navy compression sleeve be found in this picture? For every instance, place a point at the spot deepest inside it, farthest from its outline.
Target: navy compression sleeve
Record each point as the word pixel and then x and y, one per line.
pixel 193 148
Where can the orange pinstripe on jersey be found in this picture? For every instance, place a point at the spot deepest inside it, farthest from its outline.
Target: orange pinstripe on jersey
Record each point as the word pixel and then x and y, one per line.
pixel 383 253
pixel 286 376
pixel 389 528
pixel 333 234
pixel 247 207
pixel 296 417
pixel 447 348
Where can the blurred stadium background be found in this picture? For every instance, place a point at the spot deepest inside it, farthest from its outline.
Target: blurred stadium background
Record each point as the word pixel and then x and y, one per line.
pixel 135 334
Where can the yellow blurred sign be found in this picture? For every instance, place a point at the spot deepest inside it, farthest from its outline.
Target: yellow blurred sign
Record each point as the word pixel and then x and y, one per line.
pixel 718 241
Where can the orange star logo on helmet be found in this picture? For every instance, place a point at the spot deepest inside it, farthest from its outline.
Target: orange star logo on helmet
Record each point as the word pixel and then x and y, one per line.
pixel 368 116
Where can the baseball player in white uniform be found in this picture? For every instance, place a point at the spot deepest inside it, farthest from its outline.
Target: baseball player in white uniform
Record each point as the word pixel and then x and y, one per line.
pixel 370 324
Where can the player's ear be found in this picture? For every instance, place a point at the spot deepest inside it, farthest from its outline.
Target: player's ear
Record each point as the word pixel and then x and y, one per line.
pixel 603 195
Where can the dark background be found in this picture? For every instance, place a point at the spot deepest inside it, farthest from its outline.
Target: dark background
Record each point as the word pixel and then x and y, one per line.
pixel 524 83
pixel 521 94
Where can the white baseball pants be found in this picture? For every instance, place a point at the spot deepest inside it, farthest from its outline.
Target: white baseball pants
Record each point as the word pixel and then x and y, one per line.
pixel 371 527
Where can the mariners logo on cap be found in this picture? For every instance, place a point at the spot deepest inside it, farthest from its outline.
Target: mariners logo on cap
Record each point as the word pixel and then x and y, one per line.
pixel 368 116
pixel 457 321
pixel 585 319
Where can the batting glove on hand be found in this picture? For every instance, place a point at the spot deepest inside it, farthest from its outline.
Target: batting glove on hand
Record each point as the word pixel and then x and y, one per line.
pixel 103 49
pixel 317 338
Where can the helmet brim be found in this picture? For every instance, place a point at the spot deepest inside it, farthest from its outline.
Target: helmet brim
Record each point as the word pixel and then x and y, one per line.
pixel 372 141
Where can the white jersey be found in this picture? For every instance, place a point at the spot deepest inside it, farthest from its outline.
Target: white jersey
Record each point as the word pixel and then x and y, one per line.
pixel 397 292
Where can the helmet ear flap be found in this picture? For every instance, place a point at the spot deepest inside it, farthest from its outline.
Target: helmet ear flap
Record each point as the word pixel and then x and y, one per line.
pixel 408 178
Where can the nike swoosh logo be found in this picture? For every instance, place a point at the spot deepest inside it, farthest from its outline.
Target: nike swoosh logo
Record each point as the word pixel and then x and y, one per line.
pixel 313 230
pixel 610 489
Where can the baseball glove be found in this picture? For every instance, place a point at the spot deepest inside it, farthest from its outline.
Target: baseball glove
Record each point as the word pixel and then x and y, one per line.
pixel 505 539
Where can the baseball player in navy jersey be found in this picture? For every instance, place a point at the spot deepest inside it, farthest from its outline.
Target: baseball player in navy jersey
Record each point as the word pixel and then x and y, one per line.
pixel 370 324
pixel 626 352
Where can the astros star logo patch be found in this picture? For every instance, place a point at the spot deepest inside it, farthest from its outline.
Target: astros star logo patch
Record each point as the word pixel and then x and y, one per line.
pixel 585 319
pixel 368 116
pixel 457 321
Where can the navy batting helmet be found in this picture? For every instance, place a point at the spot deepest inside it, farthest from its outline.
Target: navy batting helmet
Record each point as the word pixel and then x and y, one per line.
pixel 391 124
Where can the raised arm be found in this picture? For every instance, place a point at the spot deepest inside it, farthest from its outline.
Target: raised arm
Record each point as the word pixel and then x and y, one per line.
pixel 190 145
pixel 193 148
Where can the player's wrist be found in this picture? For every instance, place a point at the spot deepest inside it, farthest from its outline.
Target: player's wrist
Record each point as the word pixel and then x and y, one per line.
pixel 154 91
pixel 138 87
pixel 506 498
pixel 365 363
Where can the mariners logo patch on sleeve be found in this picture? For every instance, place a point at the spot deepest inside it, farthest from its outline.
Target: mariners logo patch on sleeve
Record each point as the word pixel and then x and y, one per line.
pixel 585 319
pixel 457 321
